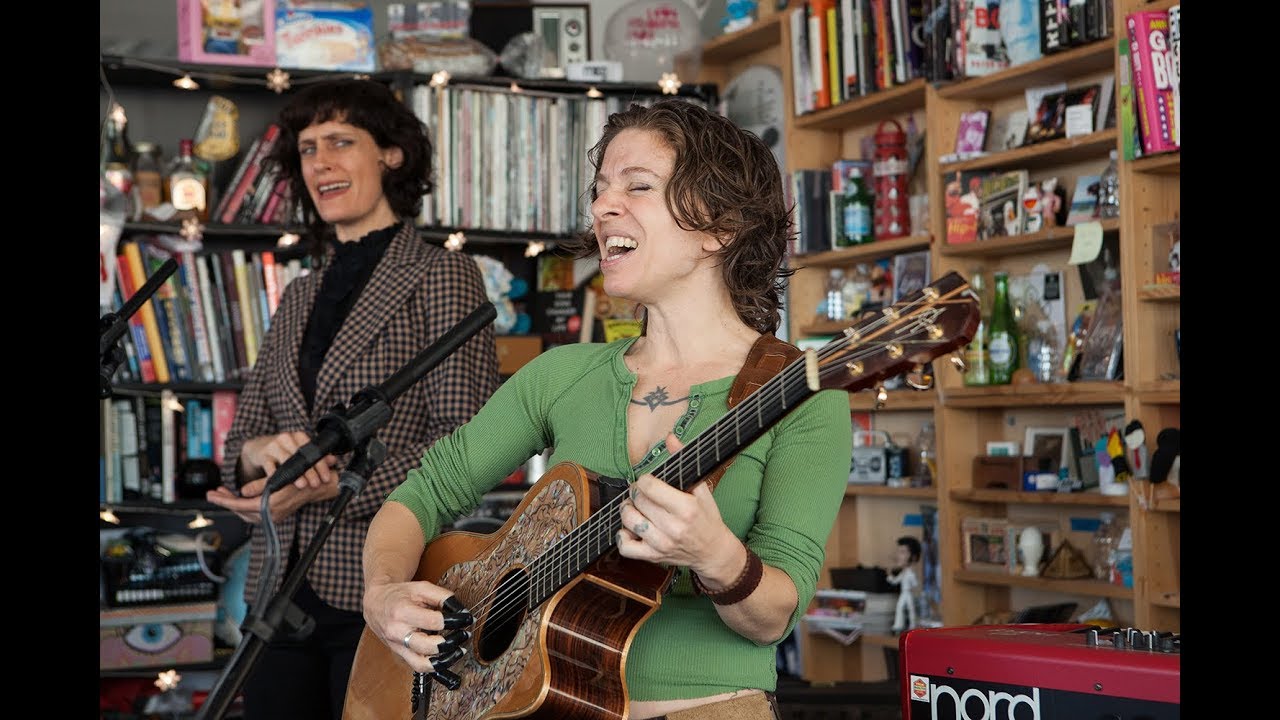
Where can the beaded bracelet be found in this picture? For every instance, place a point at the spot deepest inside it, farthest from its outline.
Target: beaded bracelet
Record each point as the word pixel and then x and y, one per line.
pixel 747 582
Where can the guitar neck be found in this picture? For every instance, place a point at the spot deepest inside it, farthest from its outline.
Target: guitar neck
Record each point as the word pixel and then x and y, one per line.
pixel 704 453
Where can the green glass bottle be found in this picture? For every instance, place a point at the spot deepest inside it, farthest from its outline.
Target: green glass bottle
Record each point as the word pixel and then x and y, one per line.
pixel 976 353
pixel 856 209
pixel 1002 344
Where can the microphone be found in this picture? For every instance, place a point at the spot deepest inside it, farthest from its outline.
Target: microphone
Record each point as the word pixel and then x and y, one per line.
pixel 113 325
pixel 342 429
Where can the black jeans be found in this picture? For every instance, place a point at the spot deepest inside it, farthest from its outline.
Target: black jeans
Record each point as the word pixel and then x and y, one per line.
pixel 305 679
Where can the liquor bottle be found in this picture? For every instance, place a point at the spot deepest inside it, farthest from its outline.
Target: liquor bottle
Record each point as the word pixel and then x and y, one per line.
pixel 117 154
pixel 1002 345
pixel 976 353
pixel 856 211
pixel 835 295
pixel 148 177
pixel 186 187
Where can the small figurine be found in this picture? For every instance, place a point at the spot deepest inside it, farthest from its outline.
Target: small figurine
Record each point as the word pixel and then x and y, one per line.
pixel 904 576
pixel 1031 543
pixel 741 14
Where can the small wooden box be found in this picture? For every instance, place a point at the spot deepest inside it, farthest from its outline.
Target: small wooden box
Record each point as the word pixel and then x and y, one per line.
pixel 997 471
pixel 516 350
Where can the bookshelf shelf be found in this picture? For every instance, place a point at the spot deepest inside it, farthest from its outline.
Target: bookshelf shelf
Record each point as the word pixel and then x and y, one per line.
pixel 866 109
pixel 924 493
pixel 1166 164
pixel 1169 600
pixel 1163 292
pixel 1017 497
pixel 156 507
pixel 178 388
pixel 756 36
pixel 1097 56
pixel 1095 588
pixel 1062 151
pixel 1161 392
pixel 1035 394
pixel 1047 239
pixel 862 253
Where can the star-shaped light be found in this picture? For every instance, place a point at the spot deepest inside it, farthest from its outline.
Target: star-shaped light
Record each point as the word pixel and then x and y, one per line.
pixel 534 248
pixel 109 516
pixel 360 76
pixel 200 521
pixel 669 83
pixel 168 680
pixel 440 78
pixel 592 92
pixel 287 239
pixel 455 241
pixel 278 80
pixel 515 88
pixel 186 83
pixel 192 229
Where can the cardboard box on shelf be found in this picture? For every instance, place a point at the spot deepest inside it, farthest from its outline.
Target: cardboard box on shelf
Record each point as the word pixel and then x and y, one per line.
pixel 222 32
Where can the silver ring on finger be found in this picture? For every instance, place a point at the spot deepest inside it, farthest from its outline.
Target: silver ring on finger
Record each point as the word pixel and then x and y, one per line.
pixel 406 638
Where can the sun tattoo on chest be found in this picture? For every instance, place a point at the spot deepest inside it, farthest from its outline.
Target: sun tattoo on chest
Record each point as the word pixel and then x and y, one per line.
pixel 657 398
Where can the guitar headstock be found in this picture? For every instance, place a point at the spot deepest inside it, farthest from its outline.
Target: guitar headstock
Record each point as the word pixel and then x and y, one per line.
pixel 937 319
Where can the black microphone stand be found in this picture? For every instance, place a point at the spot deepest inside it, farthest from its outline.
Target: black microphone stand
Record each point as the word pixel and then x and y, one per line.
pixel 261 628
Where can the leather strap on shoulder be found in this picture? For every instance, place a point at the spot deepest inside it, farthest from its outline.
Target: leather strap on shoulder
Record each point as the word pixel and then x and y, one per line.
pixel 767 358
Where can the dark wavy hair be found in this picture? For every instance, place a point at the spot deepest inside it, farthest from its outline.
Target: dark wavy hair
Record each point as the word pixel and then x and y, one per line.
pixel 369 105
pixel 725 182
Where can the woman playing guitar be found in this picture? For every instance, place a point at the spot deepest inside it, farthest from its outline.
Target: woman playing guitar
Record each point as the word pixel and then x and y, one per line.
pixel 689 221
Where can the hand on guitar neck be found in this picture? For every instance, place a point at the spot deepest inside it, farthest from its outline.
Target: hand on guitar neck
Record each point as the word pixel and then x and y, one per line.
pixel 665 525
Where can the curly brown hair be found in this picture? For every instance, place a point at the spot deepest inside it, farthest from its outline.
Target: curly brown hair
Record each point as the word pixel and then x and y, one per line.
pixel 725 182
pixel 366 104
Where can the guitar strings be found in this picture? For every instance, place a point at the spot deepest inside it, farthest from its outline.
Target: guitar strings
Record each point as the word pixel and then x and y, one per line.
pixel 598 530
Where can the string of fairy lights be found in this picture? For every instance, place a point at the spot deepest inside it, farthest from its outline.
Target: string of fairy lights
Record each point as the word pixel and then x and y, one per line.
pixel 279 80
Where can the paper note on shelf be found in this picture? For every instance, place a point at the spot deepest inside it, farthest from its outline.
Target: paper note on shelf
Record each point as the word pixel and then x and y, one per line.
pixel 1086 244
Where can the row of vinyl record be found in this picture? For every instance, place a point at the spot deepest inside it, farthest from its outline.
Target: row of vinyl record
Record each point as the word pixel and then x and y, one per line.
pixel 513 161
pixel 206 322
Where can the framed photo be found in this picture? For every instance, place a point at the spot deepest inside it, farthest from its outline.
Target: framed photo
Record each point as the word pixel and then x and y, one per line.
pixel 971 136
pixel 1101 355
pixel 1050 442
pixel 984 542
pixel 910 273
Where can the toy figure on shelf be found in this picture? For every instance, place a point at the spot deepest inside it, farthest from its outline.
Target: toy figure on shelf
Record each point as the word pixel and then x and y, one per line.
pixel 904 576
pixel 741 13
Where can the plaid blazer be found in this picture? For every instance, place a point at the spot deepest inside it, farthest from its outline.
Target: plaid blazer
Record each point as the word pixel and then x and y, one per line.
pixel 416 293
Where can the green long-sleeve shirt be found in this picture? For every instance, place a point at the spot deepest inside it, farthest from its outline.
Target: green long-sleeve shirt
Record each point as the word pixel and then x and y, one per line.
pixel 780 496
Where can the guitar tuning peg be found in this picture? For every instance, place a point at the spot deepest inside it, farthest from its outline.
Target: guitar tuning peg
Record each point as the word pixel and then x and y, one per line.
pixel 920 377
pixel 882 395
pixel 959 362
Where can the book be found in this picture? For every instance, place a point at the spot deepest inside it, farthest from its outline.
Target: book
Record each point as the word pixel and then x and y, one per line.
pixel 133 259
pixel 137 330
pixel 1007 131
pixel 223 405
pixel 1054 31
pixel 1130 141
pixel 1000 212
pixel 236 195
pixel 1175 69
pixel 971 135
pixel 983 543
pixel 1152 87
pixel 963 200
pixel 985 52
pixel 1050 120
pixel 1020 30
pixel 1084 201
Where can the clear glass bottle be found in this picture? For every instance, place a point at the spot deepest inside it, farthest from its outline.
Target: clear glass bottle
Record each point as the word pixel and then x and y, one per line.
pixel 1104 546
pixel 857 288
pixel 835 295
pixel 1043 352
pixel 116 155
pixel 927 446
pixel 148 178
pixel 186 187
pixel 1003 336
pixel 977 353
pixel 856 213
pixel 1109 189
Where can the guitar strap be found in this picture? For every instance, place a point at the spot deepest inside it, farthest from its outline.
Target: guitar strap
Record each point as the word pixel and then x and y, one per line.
pixel 767 358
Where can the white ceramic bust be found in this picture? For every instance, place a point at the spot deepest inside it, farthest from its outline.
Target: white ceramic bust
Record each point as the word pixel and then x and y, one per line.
pixel 1031 543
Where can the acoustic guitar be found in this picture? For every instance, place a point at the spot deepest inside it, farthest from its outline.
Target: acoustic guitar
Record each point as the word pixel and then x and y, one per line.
pixel 555 605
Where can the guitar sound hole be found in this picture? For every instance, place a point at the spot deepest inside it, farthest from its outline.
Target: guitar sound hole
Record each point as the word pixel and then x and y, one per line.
pixel 504 616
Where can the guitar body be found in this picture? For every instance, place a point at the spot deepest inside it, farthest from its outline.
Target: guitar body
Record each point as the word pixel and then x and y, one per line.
pixel 565 659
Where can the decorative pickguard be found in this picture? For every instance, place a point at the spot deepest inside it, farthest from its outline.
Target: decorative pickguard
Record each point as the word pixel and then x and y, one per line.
pixel 545 519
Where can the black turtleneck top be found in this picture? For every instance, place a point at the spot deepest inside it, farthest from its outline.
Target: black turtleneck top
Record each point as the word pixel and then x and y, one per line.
pixel 350 268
